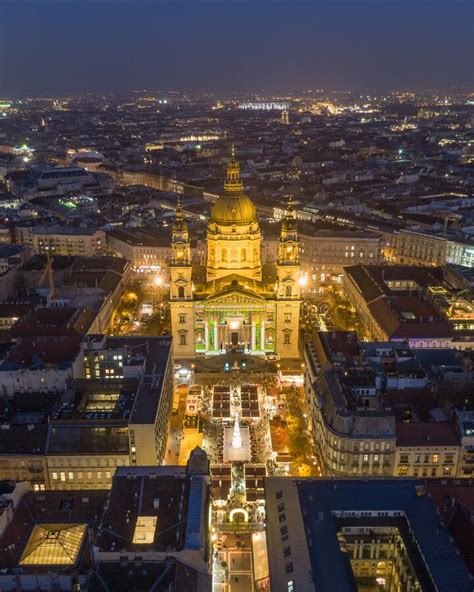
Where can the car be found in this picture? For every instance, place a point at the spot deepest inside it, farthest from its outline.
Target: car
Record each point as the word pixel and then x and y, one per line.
pixel 272 357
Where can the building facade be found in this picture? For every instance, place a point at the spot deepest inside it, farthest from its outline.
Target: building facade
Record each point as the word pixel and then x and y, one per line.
pixel 233 302
pixel 57 240
pixel 325 253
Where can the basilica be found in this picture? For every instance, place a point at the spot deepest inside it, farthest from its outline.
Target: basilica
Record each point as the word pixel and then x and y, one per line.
pixel 233 302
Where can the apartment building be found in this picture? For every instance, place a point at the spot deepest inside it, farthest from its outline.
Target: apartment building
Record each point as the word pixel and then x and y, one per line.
pixel 354 432
pixel 62 240
pixel 148 250
pixel 324 253
pixel 427 449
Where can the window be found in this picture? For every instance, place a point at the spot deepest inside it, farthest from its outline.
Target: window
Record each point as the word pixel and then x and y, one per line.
pixel 288 567
pixel 281 507
pixel 402 471
pixel 288 291
pixel 279 494
pixel 291 586
pixel 366 458
pixel 99 474
pixel 448 459
pixel 55 476
pixel 182 339
pixel 286 551
pixel 287 317
pixel 427 458
pixel 404 458
pixel 224 254
pixel 71 475
pixel 446 471
pixel 433 471
pixel 417 458
pixel 63 476
pixel 181 292
pixel 287 339
pixel 243 256
pixel 435 458
pixel 282 517
pixel 283 529
pixel 376 458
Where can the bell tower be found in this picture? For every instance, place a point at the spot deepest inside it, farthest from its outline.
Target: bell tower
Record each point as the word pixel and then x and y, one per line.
pixel 181 288
pixel 288 288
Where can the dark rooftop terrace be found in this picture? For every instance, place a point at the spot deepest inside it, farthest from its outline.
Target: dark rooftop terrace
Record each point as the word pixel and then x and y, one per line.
pixel 163 497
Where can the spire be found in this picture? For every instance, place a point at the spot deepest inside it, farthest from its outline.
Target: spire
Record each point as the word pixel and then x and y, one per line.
pixel 233 183
pixel 179 225
pixel 289 219
pixel 179 211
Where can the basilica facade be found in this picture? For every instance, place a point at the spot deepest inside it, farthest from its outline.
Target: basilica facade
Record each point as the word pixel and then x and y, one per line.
pixel 233 302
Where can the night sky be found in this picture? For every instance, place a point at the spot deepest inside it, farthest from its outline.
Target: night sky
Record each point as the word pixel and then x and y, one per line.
pixel 58 46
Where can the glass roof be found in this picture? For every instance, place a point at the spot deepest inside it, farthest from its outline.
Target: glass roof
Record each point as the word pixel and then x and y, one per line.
pixel 54 544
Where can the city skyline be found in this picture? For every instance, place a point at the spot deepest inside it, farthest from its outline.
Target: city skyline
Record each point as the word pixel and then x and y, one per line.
pixel 269 46
pixel 236 295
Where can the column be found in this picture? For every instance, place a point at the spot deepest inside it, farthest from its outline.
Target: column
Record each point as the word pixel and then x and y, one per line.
pixel 262 336
pixel 216 333
pixel 252 335
pixel 206 336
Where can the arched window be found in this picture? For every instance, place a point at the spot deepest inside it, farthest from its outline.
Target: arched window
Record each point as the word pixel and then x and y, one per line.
pixel 180 291
pixel 224 254
pixel 233 255
pixel 288 291
pixel 243 256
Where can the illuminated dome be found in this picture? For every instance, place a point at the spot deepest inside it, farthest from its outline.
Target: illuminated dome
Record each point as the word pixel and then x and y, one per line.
pixel 233 207
pixel 233 210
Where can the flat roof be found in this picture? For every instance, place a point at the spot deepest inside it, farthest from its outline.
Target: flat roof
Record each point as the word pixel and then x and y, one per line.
pixel 157 352
pixel 67 439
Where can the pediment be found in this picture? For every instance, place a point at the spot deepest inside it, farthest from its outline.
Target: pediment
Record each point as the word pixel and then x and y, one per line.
pixel 235 296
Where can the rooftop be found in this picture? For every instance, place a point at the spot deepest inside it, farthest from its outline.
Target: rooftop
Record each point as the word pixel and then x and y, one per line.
pixel 323 502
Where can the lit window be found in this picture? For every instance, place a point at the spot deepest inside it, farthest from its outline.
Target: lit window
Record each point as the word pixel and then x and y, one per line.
pixel 55 476
pixel 63 476
pixel 435 458
pixel 71 475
